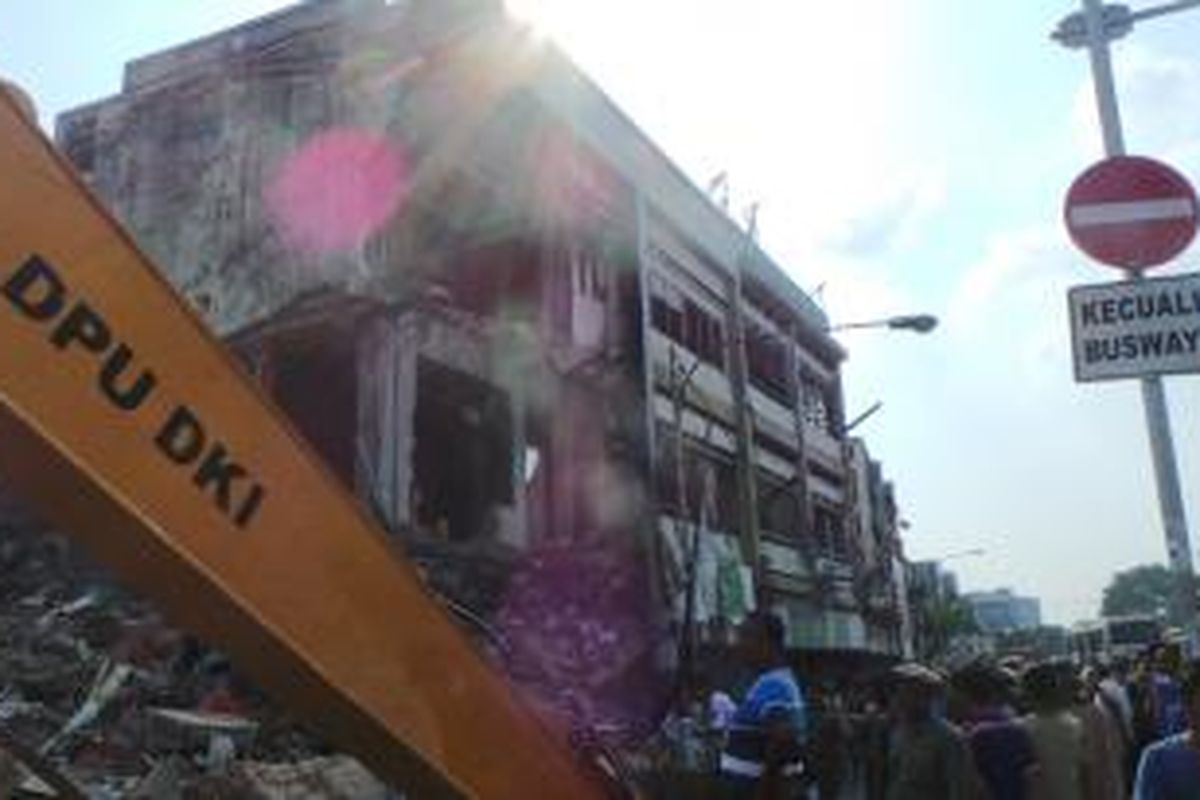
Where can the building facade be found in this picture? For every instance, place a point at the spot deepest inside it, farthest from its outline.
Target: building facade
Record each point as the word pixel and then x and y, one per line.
pixel 504 317
pixel 1002 611
pixel 881 584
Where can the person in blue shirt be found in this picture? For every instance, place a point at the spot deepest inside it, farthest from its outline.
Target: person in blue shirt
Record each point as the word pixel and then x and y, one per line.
pixel 762 756
pixel 1170 768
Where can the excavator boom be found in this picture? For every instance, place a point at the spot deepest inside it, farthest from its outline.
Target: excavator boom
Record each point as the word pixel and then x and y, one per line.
pixel 126 423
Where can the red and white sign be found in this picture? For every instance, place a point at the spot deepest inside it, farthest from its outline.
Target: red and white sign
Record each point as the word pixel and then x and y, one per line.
pixel 1131 212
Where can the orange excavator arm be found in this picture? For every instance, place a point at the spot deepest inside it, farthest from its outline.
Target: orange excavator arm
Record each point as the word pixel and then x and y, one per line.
pixel 127 424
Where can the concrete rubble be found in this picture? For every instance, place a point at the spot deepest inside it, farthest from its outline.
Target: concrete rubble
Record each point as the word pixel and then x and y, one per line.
pixel 100 698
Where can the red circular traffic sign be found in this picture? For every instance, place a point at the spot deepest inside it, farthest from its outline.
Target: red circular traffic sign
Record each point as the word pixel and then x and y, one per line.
pixel 1131 212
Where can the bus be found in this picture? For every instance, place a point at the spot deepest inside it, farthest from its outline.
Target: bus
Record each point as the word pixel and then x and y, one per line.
pixel 1110 638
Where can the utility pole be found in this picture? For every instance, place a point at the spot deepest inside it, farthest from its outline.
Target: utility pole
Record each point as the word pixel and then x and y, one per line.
pixel 1101 24
pixel 747 462
pixel 679 380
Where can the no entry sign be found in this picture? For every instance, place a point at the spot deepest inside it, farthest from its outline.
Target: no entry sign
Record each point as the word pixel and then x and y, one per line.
pixel 1131 212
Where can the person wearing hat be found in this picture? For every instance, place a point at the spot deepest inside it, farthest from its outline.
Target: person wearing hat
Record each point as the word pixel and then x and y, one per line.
pixel 927 757
pixel 1059 740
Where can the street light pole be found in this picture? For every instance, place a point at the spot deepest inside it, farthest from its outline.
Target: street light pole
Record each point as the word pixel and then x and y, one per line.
pixel 1102 79
pixel 1158 423
pixel 974 551
pixel 1167 8
pixel 918 323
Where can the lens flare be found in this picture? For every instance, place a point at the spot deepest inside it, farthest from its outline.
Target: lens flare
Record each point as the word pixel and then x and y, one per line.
pixel 577 617
pixel 337 189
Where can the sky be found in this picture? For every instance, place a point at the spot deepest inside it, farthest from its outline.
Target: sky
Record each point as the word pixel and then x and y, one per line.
pixel 906 157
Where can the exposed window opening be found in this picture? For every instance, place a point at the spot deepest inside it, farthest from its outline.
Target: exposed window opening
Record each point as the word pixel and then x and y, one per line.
pixel 817 404
pixel 710 481
pixel 775 447
pixel 687 323
pixel 766 361
pixel 463 453
pixel 829 530
pixel 704 334
pixel 819 470
pixel 778 506
pixel 666 318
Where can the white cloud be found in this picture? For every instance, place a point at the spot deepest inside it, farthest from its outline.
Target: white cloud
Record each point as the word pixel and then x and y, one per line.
pixel 855 290
pixel 1017 264
pixel 1046 469
pixel 824 144
pixel 1008 314
pixel 889 218
pixel 1159 98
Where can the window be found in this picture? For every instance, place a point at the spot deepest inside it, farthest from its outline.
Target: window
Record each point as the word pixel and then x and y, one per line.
pixel 828 530
pixel 766 361
pixel 462 456
pixel 816 409
pixel 778 508
pixel 588 302
pixel 704 334
pixel 770 444
pixel 589 277
pixel 818 470
pixel 723 513
pixel 667 311
pixel 709 478
pixel 686 323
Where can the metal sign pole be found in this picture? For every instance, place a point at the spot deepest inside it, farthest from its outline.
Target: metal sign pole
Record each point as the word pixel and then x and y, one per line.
pixel 1158 424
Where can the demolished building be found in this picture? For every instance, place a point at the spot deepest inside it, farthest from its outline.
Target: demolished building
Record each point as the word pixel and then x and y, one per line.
pixel 499 312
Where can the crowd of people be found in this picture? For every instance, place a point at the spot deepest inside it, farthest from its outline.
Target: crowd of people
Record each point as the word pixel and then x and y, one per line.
pixel 990 730
pixel 1044 731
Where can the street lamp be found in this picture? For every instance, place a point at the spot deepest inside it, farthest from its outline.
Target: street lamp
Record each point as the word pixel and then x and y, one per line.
pixel 1115 22
pixel 917 323
pixel 974 551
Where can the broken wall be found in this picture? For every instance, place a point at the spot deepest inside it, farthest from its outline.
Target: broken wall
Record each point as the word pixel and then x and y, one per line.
pixel 390 354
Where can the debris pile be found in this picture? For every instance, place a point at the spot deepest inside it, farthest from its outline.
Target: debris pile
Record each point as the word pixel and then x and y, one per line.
pixel 100 698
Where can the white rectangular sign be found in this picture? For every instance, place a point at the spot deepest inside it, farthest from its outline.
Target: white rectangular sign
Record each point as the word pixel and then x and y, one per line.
pixel 1130 329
